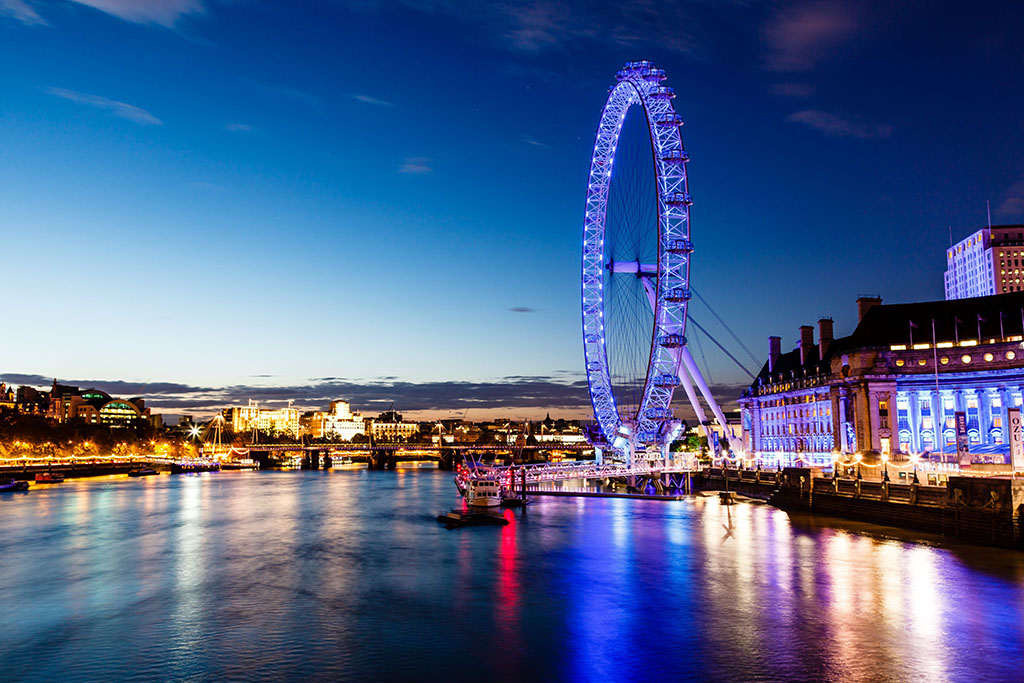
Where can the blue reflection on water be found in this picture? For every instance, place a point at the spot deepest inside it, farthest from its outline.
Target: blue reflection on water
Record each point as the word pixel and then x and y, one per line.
pixel 347 575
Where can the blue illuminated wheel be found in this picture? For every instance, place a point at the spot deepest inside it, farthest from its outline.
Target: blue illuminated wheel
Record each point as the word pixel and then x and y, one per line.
pixel 636 260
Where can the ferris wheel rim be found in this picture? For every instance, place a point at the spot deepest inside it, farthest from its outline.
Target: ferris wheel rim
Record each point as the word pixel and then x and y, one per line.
pixel 639 84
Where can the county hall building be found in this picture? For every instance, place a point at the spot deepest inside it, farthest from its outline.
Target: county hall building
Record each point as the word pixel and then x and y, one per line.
pixel 891 387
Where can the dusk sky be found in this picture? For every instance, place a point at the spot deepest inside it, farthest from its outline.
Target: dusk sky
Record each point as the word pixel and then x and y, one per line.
pixel 383 201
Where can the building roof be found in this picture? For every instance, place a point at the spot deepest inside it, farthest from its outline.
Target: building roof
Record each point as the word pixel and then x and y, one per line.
pixel 887 325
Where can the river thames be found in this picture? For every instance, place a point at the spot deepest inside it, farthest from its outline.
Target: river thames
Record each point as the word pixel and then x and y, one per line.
pixel 347 576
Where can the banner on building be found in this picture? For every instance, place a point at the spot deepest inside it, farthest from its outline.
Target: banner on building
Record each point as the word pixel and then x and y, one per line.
pixel 963 447
pixel 1016 440
pixel 714 442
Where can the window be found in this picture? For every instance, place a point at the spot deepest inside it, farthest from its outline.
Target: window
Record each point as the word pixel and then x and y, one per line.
pixel 988 357
pixel 1010 355
pixel 965 359
pixel 944 360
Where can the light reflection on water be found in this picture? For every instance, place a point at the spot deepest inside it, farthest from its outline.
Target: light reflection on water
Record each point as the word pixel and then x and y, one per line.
pixel 347 575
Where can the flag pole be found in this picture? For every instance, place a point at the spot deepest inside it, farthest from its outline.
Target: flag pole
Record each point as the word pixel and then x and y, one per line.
pixel 939 433
pixel 910 327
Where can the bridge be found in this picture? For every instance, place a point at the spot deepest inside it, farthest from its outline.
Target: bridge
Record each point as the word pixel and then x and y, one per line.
pixel 662 474
pixel 380 456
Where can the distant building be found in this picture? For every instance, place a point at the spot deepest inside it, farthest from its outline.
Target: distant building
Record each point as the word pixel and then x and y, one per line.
pixel 8 399
pixel 339 422
pixel 389 426
pixel 887 389
pixel 32 401
pixel 246 418
pixel 93 406
pixel 989 261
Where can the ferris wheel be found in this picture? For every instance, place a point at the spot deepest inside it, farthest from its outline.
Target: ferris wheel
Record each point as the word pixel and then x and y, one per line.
pixel 636 268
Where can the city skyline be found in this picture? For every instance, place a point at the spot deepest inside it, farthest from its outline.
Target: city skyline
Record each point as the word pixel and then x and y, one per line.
pixel 236 200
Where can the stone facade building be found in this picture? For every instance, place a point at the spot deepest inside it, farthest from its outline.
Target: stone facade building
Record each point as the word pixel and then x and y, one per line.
pixel 891 388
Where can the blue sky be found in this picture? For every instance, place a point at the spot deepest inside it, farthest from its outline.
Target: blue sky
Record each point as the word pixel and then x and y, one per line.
pixel 248 198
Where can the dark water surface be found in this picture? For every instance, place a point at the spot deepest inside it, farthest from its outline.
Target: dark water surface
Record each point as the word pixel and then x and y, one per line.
pixel 346 576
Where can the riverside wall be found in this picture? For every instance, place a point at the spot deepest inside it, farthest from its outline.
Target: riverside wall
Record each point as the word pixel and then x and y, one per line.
pixel 985 510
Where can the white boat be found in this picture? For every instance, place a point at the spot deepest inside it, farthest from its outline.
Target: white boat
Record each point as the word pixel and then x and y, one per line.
pixel 347 463
pixel 483 492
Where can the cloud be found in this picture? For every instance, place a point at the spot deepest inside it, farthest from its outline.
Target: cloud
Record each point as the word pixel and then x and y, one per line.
pixel 565 391
pixel 162 12
pixel 793 89
pixel 312 101
pixel 416 165
pixel 838 126
pixel 20 10
pixel 366 99
pixel 530 141
pixel 522 309
pixel 121 109
pixel 1013 201
pixel 542 25
pixel 800 37
pixel 239 127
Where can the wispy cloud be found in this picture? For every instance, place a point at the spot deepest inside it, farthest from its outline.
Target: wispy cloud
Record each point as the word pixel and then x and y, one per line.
pixel 522 309
pixel 162 12
pixel 366 99
pixel 121 109
pixel 793 89
pixel 535 143
pixel 312 101
pixel 799 37
pixel 20 10
pixel 838 126
pixel 562 391
pixel 542 25
pixel 1013 201
pixel 416 165
pixel 239 127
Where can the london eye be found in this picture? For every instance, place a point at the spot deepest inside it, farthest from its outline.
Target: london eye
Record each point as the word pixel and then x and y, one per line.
pixel 636 269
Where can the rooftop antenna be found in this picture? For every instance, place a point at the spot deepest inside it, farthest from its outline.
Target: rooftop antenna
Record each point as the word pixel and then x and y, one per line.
pixel 950 236
pixel 988 210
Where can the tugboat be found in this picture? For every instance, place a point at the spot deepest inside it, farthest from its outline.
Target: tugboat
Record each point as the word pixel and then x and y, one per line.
pixel 483 491
pixel 12 485
pixel 142 472
pixel 49 478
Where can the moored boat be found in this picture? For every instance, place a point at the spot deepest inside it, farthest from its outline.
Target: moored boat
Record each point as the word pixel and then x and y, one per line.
pixel 187 467
pixel 142 472
pixel 13 485
pixel 483 491
pixel 49 478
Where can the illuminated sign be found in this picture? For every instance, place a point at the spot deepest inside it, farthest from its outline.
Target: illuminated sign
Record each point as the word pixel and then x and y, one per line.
pixel 963 449
pixel 1016 440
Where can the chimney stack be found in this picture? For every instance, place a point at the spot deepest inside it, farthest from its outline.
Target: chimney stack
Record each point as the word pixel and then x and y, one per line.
pixel 806 343
pixel 774 350
pixel 865 303
pixel 824 336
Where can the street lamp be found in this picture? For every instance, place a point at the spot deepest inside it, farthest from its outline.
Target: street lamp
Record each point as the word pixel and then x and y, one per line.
pixel 885 467
pixel 859 457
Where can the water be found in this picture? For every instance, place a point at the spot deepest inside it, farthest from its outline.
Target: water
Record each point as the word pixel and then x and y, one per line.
pixel 346 576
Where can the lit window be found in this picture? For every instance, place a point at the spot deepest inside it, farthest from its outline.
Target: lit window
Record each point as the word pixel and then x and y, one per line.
pixel 944 360
pixel 965 359
pixel 900 362
pixel 922 361
pixel 988 357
